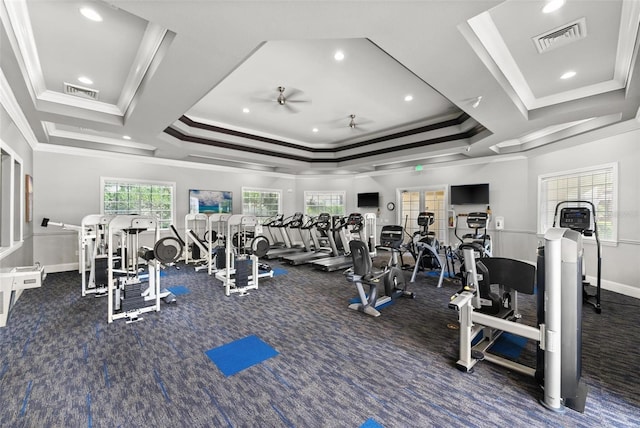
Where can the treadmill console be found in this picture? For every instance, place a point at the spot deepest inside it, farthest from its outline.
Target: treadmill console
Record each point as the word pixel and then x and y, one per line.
pixel 578 219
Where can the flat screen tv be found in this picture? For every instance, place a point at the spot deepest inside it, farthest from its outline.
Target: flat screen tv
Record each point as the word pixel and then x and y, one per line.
pixel 368 200
pixel 469 194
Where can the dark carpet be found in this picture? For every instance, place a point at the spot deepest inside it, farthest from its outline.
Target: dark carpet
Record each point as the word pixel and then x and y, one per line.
pixel 63 365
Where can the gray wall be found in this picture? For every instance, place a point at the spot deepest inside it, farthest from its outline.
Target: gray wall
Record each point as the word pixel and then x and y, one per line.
pixel 68 188
pixel 11 135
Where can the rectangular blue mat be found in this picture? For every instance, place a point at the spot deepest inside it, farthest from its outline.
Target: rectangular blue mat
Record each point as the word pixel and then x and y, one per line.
pixel 509 345
pixel 279 271
pixel 178 290
pixel 240 354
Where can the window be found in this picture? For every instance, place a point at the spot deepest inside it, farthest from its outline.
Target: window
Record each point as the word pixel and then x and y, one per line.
pixel 11 200
pixel 597 185
pixel 262 203
pixel 316 203
pixel 121 196
pixel 416 201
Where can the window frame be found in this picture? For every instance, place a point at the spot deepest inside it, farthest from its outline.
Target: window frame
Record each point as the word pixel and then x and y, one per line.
pixel 262 191
pixel 545 222
pixel 440 227
pixel 340 193
pixel 12 189
pixel 141 182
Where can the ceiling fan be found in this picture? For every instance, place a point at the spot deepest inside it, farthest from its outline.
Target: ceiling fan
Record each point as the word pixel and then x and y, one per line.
pixel 286 99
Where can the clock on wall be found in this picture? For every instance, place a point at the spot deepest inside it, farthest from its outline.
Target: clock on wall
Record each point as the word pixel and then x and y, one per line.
pixel 391 206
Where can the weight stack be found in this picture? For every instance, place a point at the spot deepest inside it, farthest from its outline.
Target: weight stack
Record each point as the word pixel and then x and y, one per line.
pixel 132 298
pixel 221 258
pixel 243 266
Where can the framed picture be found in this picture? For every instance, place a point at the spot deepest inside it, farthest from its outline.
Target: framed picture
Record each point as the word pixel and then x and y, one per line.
pixel 210 201
pixel 28 198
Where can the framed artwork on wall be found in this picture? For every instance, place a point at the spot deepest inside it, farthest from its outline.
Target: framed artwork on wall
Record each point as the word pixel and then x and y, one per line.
pixel 210 201
pixel 28 198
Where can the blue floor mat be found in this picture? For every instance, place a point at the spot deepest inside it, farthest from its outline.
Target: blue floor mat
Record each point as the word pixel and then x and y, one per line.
pixel 240 354
pixel 509 345
pixel 178 290
pixel 371 423
pixel 279 271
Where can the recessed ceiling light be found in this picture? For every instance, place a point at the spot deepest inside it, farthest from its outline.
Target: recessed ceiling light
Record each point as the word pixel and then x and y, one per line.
pixel 91 14
pixel 314 130
pixel 339 56
pixel 552 6
pixel 408 97
pixel 85 80
pixel 126 137
pixel 568 75
pixel 246 110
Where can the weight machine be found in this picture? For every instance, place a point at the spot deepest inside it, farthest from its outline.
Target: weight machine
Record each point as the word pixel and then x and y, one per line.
pixel 244 245
pixel 580 220
pixel 196 227
pixel 92 251
pixel 13 281
pixel 127 295
pixel 559 325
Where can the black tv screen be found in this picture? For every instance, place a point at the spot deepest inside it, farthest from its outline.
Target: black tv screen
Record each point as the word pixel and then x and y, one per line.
pixel 369 200
pixel 470 194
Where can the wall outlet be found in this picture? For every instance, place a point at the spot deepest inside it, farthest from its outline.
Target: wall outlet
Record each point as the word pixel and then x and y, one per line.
pixel 499 223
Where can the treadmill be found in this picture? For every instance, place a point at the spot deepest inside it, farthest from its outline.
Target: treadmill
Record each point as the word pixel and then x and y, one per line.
pixel 293 222
pixel 323 246
pixel 354 223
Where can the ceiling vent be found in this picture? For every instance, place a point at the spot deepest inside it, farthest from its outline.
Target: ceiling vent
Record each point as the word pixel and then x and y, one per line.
pixel 561 36
pixel 80 91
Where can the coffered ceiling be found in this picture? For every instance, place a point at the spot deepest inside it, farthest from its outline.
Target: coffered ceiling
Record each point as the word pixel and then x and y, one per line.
pixel 319 86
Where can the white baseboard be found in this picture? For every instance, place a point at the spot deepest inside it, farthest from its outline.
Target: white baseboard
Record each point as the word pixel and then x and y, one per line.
pixel 616 287
pixel 63 267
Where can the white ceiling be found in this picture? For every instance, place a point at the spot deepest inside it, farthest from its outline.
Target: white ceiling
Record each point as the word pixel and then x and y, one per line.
pixel 175 77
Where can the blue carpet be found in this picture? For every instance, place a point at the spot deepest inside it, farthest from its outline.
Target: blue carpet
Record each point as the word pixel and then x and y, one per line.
pixel 240 354
pixel 279 271
pixel 178 290
pixel 371 423
pixel 509 345
pixel 436 273
pixel 145 276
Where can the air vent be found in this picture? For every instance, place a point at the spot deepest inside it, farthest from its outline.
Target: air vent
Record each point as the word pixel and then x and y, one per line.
pixel 80 91
pixel 561 36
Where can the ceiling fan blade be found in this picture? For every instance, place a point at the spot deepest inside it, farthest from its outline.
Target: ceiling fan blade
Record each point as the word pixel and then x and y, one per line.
pixel 288 93
pixel 291 108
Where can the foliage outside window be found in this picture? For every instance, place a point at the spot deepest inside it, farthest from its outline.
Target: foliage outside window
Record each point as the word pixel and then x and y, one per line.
pixel 597 185
pixel 316 203
pixel 143 198
pixel 262 203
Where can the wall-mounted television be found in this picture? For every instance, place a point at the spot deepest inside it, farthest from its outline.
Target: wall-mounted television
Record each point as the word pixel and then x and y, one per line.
pixel 210 201
pixel 368 200
pixel 469 194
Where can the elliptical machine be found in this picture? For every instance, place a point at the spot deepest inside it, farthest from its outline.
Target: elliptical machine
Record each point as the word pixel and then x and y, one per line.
pixel 579 219
pixel 425 248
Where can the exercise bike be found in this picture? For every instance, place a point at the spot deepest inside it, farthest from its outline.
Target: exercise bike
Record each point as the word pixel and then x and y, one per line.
pixel 391 276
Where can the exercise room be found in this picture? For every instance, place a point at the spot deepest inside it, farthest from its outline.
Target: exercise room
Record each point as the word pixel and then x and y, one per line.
pixel 319 214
